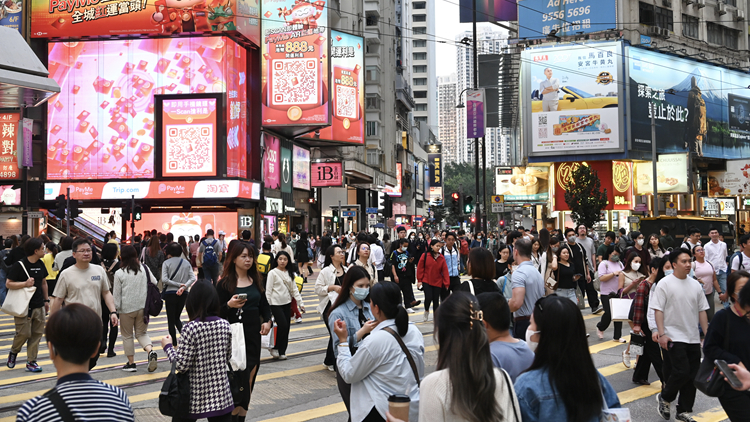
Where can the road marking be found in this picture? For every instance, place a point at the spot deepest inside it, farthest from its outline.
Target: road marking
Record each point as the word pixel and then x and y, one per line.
pixel 638 393
pixel 311 414
pixel 714 415
pixel 604 345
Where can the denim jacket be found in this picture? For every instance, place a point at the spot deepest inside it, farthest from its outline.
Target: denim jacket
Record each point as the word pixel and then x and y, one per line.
pixel 538 399
pixel 348 313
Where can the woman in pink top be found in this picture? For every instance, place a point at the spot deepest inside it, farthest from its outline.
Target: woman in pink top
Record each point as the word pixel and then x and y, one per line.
pixel 609 272
pixel 705 274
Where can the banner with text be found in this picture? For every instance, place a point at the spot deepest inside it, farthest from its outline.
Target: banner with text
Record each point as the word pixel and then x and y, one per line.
pixel 540 18
pixel 475 113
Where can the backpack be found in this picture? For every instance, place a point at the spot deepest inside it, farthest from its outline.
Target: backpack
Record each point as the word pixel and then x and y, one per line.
pixel 154 302
pixel 263 263
pixel 464 247
pixel 737 255
pixel 209 253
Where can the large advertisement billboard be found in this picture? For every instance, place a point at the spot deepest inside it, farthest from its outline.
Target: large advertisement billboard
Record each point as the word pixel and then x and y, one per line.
pixel 294 79
pixel 74 19
pixel 734 181
pixel 189 224
pixel 301 168
pixel 101 125
pixel 672 175
pixel 571 99
pixel 272 161
pixel 189 137
pixel 522 184
pixel 348 92
pixel 616 178
pixel 539 18
pixel 697 107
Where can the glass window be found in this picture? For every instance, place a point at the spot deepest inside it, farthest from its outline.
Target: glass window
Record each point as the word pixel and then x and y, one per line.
pixel 649 14
pixel 419 43
pixel 420 94
pixel 689 26
pixel 372 73
pixel 419 5
pixel 421 107
pixel 372 129
pixel 371 20
pixel 420 30
pixel 419 18
pixel 420 56
pixel 420 81
pixel 420 69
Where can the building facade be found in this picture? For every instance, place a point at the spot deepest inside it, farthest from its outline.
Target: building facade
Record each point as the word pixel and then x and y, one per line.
pixel 447 117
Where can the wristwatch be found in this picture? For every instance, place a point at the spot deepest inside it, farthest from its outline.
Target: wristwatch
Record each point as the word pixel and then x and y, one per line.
pixel 113 312
pixel 46 300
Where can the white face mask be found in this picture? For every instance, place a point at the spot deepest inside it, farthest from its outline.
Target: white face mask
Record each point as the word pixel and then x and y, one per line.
pixel 532 344
pixel 635 265
pixel 640 242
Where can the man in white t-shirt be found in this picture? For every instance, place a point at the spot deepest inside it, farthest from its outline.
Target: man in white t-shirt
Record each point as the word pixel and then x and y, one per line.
pixel 377 257
pixel 679 305
pixel 692 240
pixel 716 254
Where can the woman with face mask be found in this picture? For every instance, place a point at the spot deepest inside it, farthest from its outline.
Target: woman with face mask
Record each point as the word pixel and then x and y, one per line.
pixel 551 389
pixel 351 307
pixel 380 367
pixel 280 290
pixel 433 277
pixel 651 354
pixel 630 277
pixel 640 248
pixel 609 272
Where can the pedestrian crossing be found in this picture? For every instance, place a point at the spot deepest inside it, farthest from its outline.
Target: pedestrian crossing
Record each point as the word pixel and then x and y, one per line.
pixel 306 350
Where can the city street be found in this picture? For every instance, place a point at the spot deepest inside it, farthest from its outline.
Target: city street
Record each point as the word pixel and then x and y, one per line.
pixel 301 388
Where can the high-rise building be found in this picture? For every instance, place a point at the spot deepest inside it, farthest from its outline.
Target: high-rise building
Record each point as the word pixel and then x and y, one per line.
pixel 447 117
pixel 424 71
pixel 488 42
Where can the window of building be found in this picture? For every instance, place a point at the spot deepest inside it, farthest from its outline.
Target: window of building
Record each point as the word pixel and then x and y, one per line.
pixel 373 74
pixel 722 35
pixel 420 56
pixel 421 119
pixel 420 81
pixel 372 128
pixel 689 26
pixel 421 107
pixel 371 20
pixel 419 18
pixel 372 102
pixel 373 158
pixel 420 30
pixel 419 43
pixel 649 14
pixel 419 5
pixel 714 33
pixel 419 69
pixel 420 94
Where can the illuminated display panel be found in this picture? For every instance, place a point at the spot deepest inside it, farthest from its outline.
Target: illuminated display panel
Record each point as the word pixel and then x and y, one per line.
pixel 9 128
pixel 189 223
pixel 300 168
pixel 189 137
pixel 101 125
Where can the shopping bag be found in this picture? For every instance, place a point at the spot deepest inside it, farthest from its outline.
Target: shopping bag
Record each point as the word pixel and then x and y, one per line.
pixel 299 281
pixel 620 308
pixel 238 361
pixel 268 341
pixel 17 301
pixel 580 299
pixel 616 415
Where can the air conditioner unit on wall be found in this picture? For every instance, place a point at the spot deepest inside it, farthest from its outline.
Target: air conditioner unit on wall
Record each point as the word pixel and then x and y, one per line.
pixel 721 8
pixel 700 4
pixel 739 15
pixel 654 30
pixel 665 32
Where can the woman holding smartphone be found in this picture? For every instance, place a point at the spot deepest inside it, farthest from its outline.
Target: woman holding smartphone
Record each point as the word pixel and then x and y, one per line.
pixel 243 299
pixel 280 290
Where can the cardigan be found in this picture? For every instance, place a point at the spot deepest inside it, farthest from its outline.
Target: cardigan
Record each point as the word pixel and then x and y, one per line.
pixel 129 289
pixel 281 289
pixel 327 277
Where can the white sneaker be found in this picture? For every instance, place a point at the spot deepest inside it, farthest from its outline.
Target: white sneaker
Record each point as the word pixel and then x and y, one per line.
pixel 330 368
pixel 410 310
pixel 626 359
pixel 426 316
pixel 298 320
pixel 275 353
pixel 282 357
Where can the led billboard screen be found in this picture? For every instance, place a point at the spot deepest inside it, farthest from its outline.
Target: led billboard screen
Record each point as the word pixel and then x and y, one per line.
pixel 189 224
pixel 189 137
pixel 301 168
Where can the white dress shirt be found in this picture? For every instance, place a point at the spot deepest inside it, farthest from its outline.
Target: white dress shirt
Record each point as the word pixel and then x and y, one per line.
pixel 377 257
pixel 716 254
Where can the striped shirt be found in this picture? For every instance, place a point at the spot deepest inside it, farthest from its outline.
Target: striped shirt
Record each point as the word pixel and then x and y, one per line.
pixel 87 398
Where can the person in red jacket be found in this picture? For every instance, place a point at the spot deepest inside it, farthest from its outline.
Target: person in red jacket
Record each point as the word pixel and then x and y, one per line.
pixel 432 276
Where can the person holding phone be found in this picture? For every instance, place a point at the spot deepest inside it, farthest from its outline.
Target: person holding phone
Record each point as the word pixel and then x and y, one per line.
pixel 565 274
pixel 728 340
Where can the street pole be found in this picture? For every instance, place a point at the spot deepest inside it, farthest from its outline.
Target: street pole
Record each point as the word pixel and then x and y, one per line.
pixel 653 165
pixel 341 221
pixel 132 216
pixel 484 185
pixel 477 209
pixel 67 212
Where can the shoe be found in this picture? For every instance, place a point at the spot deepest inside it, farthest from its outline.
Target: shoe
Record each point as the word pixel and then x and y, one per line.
pixel 330 368
pixel 663 408
pixel 426 316
pixel 33 367
pixel 626 358
pixel 12 360
pixel 684 417
pixel 598 309
pixel 282 357
pixel 129 367
pixel 275 353
pixel 111 353
pixel 641 382
pixel 415 303
pixel 298 320
pixel 410 310
pixel 152 358
pixel 103 348
pixel 588 335
pixel 619 340
pixel 600 334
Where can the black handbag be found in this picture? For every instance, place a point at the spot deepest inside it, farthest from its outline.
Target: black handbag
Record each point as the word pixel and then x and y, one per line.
pixel 234 385
pixel 709 379
pixel 174 398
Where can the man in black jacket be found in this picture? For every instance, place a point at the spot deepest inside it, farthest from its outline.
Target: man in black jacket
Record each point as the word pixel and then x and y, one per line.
pixel 580 260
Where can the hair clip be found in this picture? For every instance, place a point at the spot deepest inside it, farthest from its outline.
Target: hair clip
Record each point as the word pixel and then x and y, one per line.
pixel 474 315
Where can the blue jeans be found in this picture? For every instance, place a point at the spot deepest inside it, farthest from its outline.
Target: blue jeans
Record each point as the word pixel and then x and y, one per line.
pixel 722 277
pixel 568 293
pixel 212 272
pixel 3 289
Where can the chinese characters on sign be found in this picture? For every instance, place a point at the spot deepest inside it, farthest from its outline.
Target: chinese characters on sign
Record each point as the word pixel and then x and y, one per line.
pixel 434 160
pixel 9 145
pixel 301 165
pixel 539 18
pixel 327 174
pixel 272 162
pixel 475 113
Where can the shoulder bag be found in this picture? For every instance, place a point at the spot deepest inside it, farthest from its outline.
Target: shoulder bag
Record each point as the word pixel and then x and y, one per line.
pixel 238 361
pixel 621 414
pixel 409 357
pixel 174 397
pixel 17 300
pixel 62 408
pixel 154 303
pixel 709 379
pixel 620 308
pixel 551 281
pixel 512 392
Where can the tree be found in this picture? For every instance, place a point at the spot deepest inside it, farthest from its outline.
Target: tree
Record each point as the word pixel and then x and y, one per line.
pixel 584 196
pixel 460 177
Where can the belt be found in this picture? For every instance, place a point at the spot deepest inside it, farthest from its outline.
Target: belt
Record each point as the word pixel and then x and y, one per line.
pixel 522 318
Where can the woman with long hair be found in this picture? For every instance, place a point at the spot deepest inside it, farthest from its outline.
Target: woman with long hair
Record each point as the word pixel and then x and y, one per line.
pixel 552 388
pixel 610 270
pixel 433 277
pixel 464 389
pixel 381 367
pixel 323 246
pixel 502 263
pixel 183 244
pixel 206 338
pixel 536 254
pixel 703 271
pixel 328 287
pixel 177 276
pixel 240 277
pixel 283 246
pixel 130 292
pixel 565 274
pixel 301 255
pixel 353 308
pixel 153 256
pixel 651 350
pixel 280 291
pixel 655 248
pixel 481 269
pixel 111 264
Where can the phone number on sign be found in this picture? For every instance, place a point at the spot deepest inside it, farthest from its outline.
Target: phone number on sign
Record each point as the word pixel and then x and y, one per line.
pixel 576 11
pixel 8 174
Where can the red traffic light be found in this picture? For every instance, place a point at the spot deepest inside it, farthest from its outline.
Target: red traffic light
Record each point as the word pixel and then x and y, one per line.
pixel 454 195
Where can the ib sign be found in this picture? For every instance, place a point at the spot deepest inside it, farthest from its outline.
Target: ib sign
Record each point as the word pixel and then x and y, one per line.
pixel 326 175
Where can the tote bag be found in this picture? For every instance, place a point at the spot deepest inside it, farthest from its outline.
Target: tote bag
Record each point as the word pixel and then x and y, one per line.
pixel 620 308
pixel 17 300
pixel 238 361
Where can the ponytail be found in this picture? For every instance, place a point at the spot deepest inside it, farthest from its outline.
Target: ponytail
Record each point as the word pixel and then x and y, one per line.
pixel 388 298
pixel 402 320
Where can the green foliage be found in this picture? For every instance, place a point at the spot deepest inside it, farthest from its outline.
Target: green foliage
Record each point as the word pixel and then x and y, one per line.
pixel 461 178
pixel 584 196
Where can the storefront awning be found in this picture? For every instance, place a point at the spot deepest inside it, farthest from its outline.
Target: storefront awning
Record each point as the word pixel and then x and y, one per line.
pixel 24 80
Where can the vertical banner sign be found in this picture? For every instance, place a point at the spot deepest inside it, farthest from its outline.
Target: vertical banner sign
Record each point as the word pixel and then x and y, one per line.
pixel 272 162
pixel 294 79
pixel 326 175
pixel 194 121
pixel 236 111
pixel 11 15
pixel 434 159
pixel 286 170
pixel 622 182
pixel 301 165
pixel 475 113
pixel 395 191
pixel 28 157
pixel 9 145
pixel 538 18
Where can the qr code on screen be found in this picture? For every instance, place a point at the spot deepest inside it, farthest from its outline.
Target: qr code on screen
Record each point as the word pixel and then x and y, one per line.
pixel 542 133
pixel 294 81
pixel 346 101
pixel 189 149
pixel 543 120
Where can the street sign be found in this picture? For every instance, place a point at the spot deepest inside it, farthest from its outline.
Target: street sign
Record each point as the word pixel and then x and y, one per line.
pixel 497 207
pixel 35 214
pixel 391 223
pixel 634 219
pixel 498 199
pixel 671 209
pixel 373 210
pixel 348 213
pixel 372 217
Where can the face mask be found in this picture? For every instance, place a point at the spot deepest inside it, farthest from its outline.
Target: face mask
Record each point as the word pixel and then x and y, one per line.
pixel 360 293
pixel 572 239
pixel 640 242
pixel 635 265
pixel 479 237
pixel 532 344
pixel 614 258
pixel 555 248
pixel 668 272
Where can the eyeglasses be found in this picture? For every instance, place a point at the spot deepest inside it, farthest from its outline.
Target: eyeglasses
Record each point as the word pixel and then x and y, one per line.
pixel 364 248
pixel 83 251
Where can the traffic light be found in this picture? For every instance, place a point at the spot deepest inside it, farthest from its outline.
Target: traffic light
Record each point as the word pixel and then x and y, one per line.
pixel 336 216
pixel 137 213
pixel 60 205
pixel 502 224
pixel 454 203
pixel 468 205
pixel 74 210
pixel 126 212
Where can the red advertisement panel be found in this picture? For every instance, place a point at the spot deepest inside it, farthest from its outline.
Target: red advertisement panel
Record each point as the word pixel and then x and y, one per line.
pixel 189 137
pixel 189 224
pixel 9 145
pixel 101 125
pixel 396 190
pixel 295 63
pixel 204 189
pixel 237 112
pixel 326 175
pixel 615 176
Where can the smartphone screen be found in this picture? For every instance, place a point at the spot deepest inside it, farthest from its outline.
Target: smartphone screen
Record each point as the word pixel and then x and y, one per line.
pixel 729 373
pixel 242 296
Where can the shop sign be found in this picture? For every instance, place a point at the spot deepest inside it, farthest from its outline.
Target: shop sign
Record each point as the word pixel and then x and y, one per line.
pixel 475 113
pixel 671 175
pixel 272 162
pixel 12 16
pixel 10 196
pixel 246 221
pixel 301 165
pixel 726 206
pixel 286 170
pixel 522 184
pixel 734 181
pixel 395 191
pixel 295 63
pixel 537 18
pixel 574 93
pixel 710 207
pixel 9 127
pixel 326 175
pixel 187 189
pixel 274 205
pixel 614 176
pixel 188 124
pixel 435 165
pixel 622 182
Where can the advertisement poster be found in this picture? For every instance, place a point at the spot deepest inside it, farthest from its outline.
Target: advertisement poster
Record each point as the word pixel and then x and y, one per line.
pixel 301 166
pixel 573 92
pixel 74 19
pixel 395 191
pixel 9 146
pixel 286 170
pixel 28 142
pixel 697 107
pixel 326 175
pixel 522 184
pixel 734 181
pixel 475 113
pixel 101 125
pixel 11 15
pixel 539 18
pixel 178 189
pixel 236 112
pixel 435 164
pixel 189 224
pixel 189 138
pixel 272 162
pixel 488 11
pixel 615 177
pixel 347 77
pixel 671 175
pixel 294 80
pixel 10 196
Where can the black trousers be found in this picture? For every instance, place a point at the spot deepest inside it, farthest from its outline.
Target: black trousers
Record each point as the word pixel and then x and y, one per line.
pixel 174 305
pixel 282 314
pixel 736 404
pixel 455 283
pixel 407 290
pixel 346 392
pixel 651 356
pixel 519 328
pixel 373 416
pixel 107 328
pixel 330 359
pixel 432 295
pixel 603 324
pixel 681 363
pixel 589 290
